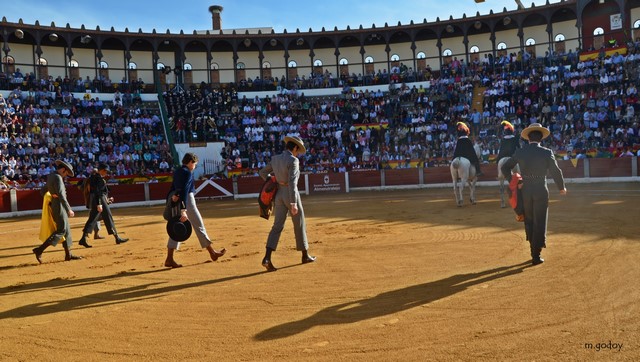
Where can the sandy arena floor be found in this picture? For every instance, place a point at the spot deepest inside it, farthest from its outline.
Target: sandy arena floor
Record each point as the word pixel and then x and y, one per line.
pixel 400 276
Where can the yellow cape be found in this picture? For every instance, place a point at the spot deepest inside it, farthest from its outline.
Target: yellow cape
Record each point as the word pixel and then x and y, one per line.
pixel 47 224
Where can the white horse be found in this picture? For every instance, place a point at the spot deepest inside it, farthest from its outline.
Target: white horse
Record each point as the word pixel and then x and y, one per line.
pixel 461 168
pixel 501 178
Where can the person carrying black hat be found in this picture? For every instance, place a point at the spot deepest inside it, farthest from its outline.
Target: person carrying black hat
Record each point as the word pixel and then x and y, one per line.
pixel 99 206
pixel 183 192
pixel 60 211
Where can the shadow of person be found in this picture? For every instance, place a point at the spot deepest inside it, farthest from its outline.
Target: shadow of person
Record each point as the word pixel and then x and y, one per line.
pixel 389 302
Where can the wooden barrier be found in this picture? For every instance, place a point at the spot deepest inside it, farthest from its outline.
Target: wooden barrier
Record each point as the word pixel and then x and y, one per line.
pixel 30 200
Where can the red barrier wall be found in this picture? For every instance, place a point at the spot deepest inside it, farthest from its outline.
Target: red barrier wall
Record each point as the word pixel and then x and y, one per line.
pixel 437 175
pixel 159 191
pixel 614 167
pixel 364 179
pixel 569 171
pixel 403 176
pixel 5 201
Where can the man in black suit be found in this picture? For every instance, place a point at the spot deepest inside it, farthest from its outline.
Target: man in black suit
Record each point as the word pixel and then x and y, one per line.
pixel 99 204
pixel 535 161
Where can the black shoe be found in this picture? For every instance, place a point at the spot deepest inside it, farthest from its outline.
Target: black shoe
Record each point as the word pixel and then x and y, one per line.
pixel 267 264
pixel 121 240
pixel 537 261
pixel 72 257
pixel 308 259
pixel 38 254
pixel 83 242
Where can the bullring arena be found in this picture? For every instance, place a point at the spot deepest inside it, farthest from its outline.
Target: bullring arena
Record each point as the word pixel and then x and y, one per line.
pixel 402 272
pixel 401 275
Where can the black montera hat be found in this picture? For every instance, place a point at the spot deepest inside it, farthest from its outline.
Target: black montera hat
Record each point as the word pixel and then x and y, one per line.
pixel 178 230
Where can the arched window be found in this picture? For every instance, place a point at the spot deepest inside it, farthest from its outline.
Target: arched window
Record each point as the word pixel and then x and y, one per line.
pixel 317 63
pixel 421 55
pixel 73 63
pixel 343 61
pixel 266 65
pixel 474 49
pixel 368 59
pixel 636 24
pixel 530 42
pixel 559 37
pixel 133 66
pixel 42 62
pixel 240 65
pixel 215 66
pixel 502 46
pixel 293 64
pixel 395 58
pixel 447 52
pixel 103 65
pixel 598 31
pixel 160 66
pixel 187 66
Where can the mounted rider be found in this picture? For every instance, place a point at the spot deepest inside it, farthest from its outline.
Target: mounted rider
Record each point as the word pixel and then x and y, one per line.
pixel 464 147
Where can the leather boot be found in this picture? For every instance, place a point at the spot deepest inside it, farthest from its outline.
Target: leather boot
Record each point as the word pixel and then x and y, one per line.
pixel 120 240
pixel 39 250
pixel 68 256
pixel 83 241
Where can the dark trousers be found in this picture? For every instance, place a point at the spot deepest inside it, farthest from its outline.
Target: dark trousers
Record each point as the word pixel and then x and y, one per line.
pixel 535 198
pixel 94 217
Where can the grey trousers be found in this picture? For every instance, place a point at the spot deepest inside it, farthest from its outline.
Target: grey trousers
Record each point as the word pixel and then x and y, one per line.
pixel 196 222
pixel 280 210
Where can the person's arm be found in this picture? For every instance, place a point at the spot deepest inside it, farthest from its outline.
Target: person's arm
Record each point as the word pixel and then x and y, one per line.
pixel 57 188
pixel 294 173
pixel 556 173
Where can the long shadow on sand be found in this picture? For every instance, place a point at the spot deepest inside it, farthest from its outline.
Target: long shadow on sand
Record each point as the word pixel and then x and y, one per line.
pixel 104 298
pixel 389 302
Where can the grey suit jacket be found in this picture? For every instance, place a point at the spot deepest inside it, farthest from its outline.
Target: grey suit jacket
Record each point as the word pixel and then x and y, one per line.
pixel 286 168
pixel 57 189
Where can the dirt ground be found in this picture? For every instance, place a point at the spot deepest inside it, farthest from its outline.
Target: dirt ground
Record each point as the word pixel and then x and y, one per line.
pixel 400 276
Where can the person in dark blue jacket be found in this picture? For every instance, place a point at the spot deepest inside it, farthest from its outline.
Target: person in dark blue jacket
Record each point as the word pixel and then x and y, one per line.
pixel 464 147
pixel 184 187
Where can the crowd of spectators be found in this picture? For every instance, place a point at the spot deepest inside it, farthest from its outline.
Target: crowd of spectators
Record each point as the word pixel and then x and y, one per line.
pixel 591 107
pixel 38 126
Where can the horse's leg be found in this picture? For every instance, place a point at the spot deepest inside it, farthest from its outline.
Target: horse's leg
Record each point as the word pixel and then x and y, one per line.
pixel 472 186
pixel 501 180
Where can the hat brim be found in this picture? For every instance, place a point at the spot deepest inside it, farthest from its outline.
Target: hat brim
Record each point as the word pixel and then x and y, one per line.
pixel 525 132
pixel 67 166
pixel 297 141
pixel 178 230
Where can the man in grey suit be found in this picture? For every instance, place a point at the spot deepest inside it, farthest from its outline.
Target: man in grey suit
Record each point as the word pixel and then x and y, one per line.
pixel 60 211
pixel 535 161
pixel 286 168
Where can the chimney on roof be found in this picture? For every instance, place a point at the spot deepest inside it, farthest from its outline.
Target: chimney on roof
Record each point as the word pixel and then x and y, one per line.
pixel 215 16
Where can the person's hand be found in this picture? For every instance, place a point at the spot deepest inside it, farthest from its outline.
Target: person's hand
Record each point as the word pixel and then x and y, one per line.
pixel 110 200
pixel 294 209
pixel 175 198
pixel 99 208
pixel 71 213
pixel 563 191
pixel 183 216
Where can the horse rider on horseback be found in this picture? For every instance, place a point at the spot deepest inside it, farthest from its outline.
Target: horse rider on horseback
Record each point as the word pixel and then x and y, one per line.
pixel 464 147
pixel 509 143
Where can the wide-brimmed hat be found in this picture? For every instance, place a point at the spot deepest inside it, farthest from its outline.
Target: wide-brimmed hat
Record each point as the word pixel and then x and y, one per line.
pixel 535 127
pixel 297 141
pixel 65 165
pixel 178 230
